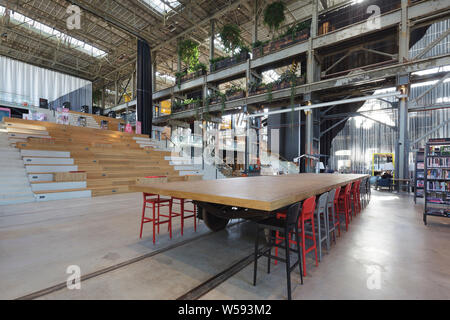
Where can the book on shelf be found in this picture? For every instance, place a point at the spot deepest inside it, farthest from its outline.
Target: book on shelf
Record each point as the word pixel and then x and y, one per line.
pixel 437 178
pixel 439 150
pixel 438 162
pixel 438 186
pixel 439 212
pixel 438 174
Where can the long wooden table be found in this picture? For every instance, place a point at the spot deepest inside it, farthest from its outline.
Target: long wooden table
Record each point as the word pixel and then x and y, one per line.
pixel 265 193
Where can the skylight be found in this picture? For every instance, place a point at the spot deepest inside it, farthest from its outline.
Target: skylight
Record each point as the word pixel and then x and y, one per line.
pixel 49 31
pixel 162 7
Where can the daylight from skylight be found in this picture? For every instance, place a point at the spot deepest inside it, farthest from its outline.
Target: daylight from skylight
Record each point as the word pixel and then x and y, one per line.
pixel 162 7
pixel 46 30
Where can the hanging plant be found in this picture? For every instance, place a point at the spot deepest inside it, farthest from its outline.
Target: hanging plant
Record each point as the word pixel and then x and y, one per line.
pixel 96 96
pixel 198 105
pixel 178 76
pixel 222 101
pixel 230 35
pixel 269 92
pixel 274 15
pixel 188 52
pixel 199 67
pixel 206 103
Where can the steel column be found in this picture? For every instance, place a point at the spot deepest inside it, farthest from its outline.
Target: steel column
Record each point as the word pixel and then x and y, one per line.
pixel 403 149
pixel 211 40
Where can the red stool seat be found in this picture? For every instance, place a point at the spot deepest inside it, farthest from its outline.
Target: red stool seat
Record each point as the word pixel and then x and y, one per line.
pixel 307 215
pixel 343 205
pixel 155 202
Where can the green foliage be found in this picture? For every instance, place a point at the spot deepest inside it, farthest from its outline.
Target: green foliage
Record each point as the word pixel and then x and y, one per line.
pixel 199 66
pixel 269 91
pixel 96 96
pixel 188 52
pixel 254 85
pixel 260 44
pixel 230 35
pixel 178 76
pixel 222 102
pixel 198 105
pixel 293 30
pixel 274 15
pixel 214 61
pixel 234 89
pixel 243 49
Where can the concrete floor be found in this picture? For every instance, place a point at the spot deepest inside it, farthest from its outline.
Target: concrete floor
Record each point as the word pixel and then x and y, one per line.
pixel 387 254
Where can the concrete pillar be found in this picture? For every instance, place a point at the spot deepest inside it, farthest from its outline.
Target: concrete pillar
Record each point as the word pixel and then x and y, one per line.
pixel 154 72
pixel 403 139
pixel 132 84
pixel 211 39
pixel 312 75
pixel 178 57
pixel 315 18
pixel 403 152
pixel 309 134
pixel 404 33
pixel 103 98
pixel 255 21
pixel 116 92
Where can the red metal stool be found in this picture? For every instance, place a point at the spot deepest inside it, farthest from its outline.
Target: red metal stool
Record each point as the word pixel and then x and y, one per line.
pixel 154 201
pixel 307 214
pixel 344 206
pixel 181 214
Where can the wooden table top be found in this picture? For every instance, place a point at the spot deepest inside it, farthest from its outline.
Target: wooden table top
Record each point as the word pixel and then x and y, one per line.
pixel 266 193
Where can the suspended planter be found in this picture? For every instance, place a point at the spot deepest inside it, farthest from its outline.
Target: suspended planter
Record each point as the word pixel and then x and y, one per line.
pixel 274 15
pixel 230 35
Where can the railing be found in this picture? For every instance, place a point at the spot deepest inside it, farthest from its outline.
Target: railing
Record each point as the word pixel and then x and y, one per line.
pixel 220 165
pixel 15 100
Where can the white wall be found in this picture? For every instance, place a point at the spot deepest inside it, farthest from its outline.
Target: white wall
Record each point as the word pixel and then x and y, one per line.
pixel 22 82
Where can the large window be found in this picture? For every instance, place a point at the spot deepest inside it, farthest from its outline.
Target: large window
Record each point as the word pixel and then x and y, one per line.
pixel 162 7
pixel 50 32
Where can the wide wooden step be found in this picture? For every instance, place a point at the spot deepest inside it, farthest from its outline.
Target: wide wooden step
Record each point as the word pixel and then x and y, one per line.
pixel 119 174
pixel 56 191
pixel 103 191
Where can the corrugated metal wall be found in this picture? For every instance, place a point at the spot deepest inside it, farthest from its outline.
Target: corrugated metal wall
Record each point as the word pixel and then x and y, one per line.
pixel 354 145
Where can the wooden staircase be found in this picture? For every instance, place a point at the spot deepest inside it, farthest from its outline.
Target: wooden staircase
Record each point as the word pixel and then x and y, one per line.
pixel 112 160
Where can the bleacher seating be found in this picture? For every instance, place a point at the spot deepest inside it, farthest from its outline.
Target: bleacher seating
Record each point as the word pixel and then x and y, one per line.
pixel 110 160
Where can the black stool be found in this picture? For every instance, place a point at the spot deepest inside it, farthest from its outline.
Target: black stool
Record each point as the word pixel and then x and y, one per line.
pixel 285 226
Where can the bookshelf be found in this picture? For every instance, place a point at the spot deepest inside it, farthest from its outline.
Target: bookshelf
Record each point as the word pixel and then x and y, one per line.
pixel 437 178
pixel 419 170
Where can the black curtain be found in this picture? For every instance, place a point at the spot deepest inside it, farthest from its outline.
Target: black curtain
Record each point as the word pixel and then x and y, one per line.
pixel 144 87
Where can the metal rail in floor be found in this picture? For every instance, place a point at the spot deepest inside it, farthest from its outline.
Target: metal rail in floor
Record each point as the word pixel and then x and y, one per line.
pixel 193 294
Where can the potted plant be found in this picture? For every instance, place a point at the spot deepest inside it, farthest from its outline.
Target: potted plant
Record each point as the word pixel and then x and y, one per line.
pixel 294 34
pixel 199 69
pixel 235 92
